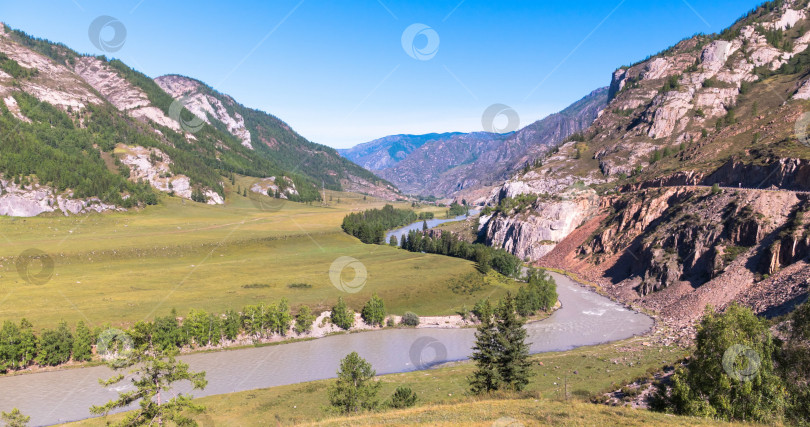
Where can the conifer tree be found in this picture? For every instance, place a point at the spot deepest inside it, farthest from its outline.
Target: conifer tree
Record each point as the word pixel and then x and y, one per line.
pixel 82 343
pixel 486 377
pixel 355 388
pixel 513 358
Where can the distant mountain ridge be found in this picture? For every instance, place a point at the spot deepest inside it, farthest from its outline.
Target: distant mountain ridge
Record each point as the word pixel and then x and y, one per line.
pixel 445 164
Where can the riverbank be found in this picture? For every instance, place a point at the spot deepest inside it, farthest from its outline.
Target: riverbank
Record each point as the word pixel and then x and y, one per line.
pixel 586 371
pixel 321 328
pixel 585 319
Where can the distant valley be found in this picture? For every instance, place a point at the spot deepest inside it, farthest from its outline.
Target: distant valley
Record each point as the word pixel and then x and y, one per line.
pixel 444 165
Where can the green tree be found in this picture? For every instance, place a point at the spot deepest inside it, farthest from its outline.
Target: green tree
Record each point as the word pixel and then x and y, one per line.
pixel 283 317
pixel 794 365
pixel 29 343
pixel 10 341
pixel 154 374
pixel 393 242
pixel 731 374
pixel 355 388
pixel 373 312
pixel 55 346
pixel 82 343
pixel 510 346
pixel 231 324
pixel 15 418
pixel 342 316
pixel 486 377
pixel 403 397
pixel 304 320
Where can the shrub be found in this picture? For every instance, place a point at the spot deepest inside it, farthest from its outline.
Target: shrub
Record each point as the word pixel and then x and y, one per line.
pixel 403 397
pixel 410 319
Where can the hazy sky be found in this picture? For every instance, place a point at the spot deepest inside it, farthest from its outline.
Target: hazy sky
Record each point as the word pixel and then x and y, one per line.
pixel 338 73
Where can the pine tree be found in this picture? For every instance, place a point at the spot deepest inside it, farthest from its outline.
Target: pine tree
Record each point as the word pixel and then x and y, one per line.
pixel 486 377
pixel 393 242
pixel 153 374
pixel 82 343
pixel 355 388
pixel 513 360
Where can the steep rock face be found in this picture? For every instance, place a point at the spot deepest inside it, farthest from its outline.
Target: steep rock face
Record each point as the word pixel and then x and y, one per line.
pixel 669 236
pixel 34 199
pixel 120 93
pixel 268 186
pixel 153 165
pixel 55 84
pixel 785 173
pixel 533 234
pixel 203 105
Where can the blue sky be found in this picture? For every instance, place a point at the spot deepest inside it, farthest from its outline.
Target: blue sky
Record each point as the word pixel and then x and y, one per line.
pixel 337 72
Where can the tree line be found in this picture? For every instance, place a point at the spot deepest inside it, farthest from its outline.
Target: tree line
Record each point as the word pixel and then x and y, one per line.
pixel 487 258
pixel 21 346
pixel 370 226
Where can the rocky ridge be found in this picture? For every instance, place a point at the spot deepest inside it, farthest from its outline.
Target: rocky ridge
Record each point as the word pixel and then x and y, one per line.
pixel 721 110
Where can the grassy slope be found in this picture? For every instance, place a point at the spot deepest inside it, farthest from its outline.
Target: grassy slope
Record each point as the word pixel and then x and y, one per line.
pixel 122 267
pixel 442 398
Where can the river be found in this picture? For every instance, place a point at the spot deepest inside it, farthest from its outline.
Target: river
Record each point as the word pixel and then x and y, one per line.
pixel 585 318
pixel 418 226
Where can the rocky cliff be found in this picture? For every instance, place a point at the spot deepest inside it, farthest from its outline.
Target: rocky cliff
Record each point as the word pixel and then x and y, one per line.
pixel 721 110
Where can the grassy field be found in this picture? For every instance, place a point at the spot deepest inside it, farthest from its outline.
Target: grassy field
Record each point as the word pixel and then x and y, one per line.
pixel 119 268
pixel 443 398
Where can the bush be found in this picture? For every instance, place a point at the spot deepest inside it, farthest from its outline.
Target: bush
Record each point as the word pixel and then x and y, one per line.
pixel 403 397
pixel 409 319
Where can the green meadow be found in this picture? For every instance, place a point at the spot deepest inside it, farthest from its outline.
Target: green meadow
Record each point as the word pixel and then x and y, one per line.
pixel 122 267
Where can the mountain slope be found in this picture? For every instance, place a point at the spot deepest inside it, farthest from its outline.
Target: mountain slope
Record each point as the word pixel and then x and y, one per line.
pixel 82 133
pixel 630 205
pixel 446 164
pixel 386 152
pixel 271 138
